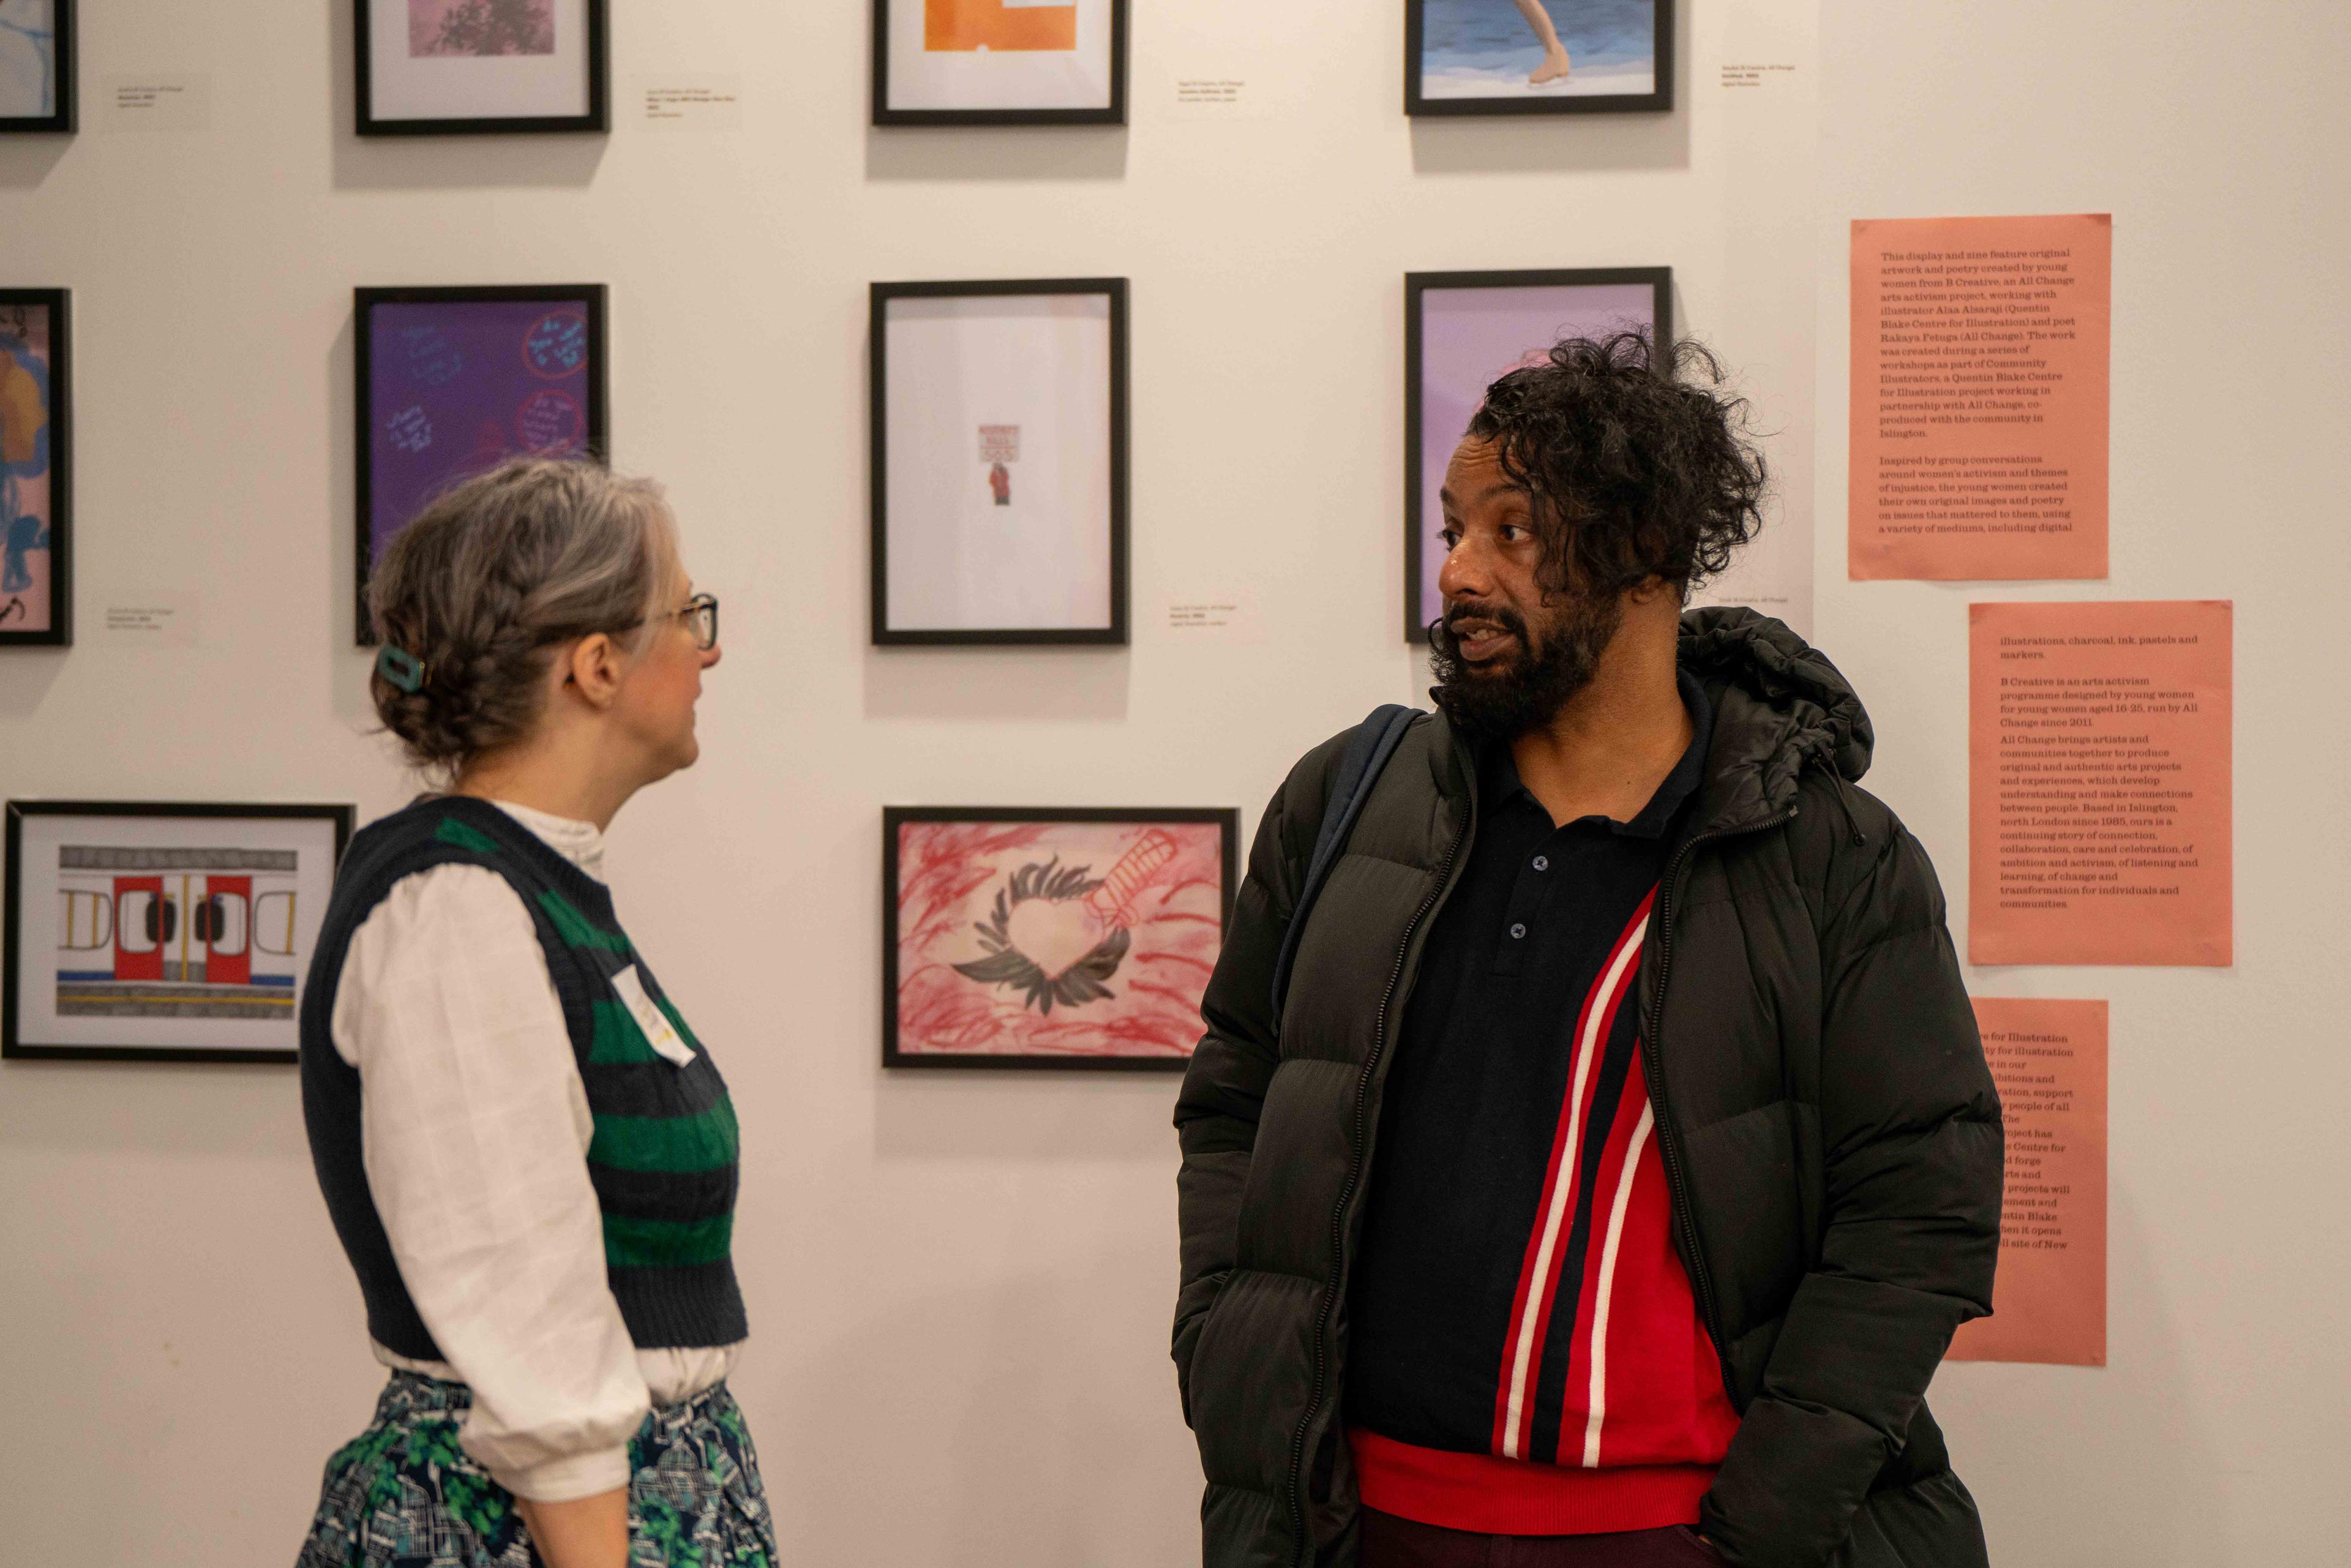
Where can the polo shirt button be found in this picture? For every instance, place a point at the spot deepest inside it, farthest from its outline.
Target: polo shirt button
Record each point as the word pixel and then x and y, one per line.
pixel 1518 931
pixel 1542 862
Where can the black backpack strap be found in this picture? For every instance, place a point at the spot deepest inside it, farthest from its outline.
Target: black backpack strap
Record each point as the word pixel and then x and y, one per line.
pixel 1374 741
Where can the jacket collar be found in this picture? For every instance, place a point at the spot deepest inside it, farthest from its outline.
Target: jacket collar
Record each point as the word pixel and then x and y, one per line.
pixel 1778 707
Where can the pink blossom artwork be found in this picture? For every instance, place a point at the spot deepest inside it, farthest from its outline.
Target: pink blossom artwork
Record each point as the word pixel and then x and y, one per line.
pixel 1038 938
pixel 480 28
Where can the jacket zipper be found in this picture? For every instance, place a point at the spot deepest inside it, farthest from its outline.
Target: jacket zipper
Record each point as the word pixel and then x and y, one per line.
pixel 1347 1192
pixel 1668 1133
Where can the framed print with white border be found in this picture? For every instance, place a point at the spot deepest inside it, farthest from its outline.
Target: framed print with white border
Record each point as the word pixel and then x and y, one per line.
pixel 998 468
pixel 1462 332
pixel 1053 936
pixel 477 68
pixel 35 468
pixel 454 381
pixel 140 931
pixel 37 66
pixel 1000 62
pixel 1538 57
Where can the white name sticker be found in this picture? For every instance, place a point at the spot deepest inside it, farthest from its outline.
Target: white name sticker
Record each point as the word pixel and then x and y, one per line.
pixel 655 1023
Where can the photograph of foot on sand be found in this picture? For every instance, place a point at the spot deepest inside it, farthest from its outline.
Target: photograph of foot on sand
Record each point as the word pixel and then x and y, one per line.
pixel 1538 48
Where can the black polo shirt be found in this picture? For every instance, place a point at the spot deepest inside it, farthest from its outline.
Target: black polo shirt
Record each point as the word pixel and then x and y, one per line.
pixel 1473 1106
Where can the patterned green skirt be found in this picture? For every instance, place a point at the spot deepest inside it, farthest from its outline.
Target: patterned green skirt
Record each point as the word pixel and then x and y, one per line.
pixel 402 1494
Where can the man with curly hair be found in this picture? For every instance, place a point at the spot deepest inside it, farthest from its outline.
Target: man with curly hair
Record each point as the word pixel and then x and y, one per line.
pixel 1597 1173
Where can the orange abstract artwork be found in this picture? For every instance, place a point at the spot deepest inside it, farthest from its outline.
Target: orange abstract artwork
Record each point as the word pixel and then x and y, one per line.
pixel 2049 1298
pixel 960 25
pixel 1980 397
pixel 2099 815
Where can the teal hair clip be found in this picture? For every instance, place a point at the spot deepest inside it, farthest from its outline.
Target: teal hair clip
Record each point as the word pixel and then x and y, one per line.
pixel 401 668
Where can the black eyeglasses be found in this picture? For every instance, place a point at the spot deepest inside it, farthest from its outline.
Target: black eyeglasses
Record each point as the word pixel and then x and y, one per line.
pixel 701 613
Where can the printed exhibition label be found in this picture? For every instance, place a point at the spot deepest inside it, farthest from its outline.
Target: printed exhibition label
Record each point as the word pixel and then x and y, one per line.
pixel 1980 397
pixel 2098 820
pixel 2049 1299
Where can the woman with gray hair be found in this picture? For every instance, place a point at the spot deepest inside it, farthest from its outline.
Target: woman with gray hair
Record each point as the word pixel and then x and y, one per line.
pixel 529 1157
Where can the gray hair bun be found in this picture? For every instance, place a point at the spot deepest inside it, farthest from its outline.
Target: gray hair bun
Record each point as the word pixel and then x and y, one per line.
pixel 492 576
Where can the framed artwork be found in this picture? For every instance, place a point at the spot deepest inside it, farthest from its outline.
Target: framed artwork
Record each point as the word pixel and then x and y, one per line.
pixel 35 468
pixel 999 461
pixel 1538 57
pixel 144 931
pixel 1000 62
pixel 453 382
pixel 1462 330
pixel 1075 937
pixel 477 68
pixel 36 65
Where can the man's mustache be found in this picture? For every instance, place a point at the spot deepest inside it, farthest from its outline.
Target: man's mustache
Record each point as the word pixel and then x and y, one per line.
pixel 1508 620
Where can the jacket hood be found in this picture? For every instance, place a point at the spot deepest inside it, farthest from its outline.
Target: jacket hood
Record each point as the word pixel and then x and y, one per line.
pixel 1778 704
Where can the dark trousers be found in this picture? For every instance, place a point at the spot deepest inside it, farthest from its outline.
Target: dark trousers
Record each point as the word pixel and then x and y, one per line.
pixel 1387 1541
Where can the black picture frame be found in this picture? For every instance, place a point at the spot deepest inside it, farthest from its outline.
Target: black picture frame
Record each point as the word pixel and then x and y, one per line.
pixel 58 302
pixel 1227 822
pixel 1417 285
pixel 593 302
pixel 597 121
pixel 1658 101
pixel 66 116
pixel 12 1047
pixel 877 354
pixel 1114 113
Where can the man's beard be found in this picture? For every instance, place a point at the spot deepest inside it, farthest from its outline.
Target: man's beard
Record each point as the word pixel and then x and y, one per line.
pixel 1506 696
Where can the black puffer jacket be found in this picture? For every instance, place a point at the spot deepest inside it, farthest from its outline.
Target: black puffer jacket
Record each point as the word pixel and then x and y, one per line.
pixel 1828 1127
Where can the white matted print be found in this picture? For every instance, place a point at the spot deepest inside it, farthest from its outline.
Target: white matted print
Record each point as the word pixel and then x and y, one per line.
pixel 999 58
pixel 456 64
pixel 998 463
pixel 161 932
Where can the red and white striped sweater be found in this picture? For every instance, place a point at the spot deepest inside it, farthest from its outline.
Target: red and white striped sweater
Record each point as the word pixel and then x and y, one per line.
pixel 1526 1355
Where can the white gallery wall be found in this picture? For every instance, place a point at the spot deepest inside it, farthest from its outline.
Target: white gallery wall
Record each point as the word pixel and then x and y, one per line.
pixel 960 1285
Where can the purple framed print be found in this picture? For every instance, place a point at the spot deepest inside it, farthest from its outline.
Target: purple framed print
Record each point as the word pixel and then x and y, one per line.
pixel 453 382
pixel 1050 937
pixel 1462 332
pixel 36 468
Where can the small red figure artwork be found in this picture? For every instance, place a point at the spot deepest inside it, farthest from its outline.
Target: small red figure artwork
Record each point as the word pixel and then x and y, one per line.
pixel 999 444
pixel 1054 940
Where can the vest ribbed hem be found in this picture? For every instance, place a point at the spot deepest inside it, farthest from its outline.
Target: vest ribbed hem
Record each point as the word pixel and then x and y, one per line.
pixel 1490 1496
pixel 694 1307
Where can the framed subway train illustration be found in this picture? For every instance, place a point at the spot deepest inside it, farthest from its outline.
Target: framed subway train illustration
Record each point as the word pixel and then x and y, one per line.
pixel 1050 937
pixel 138 931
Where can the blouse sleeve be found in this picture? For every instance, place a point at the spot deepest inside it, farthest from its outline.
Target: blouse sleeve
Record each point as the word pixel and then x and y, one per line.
pixel 475 1128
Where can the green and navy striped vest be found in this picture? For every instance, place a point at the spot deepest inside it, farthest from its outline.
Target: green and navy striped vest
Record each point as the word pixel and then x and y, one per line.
pixel 664 1157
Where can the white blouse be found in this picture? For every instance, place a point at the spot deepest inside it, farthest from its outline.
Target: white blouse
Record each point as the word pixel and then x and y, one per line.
pixel 474 1130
